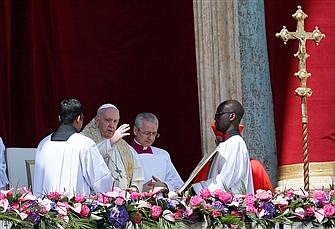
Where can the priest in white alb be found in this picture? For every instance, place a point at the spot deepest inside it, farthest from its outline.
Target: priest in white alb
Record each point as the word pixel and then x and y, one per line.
pixel 68 162
pixel 159 170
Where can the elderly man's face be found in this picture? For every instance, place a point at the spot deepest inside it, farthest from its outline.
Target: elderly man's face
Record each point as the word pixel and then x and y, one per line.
pixel 147 134
pixel 107 121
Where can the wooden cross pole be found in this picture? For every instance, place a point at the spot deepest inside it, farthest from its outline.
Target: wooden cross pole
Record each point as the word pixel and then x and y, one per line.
pixel 303 91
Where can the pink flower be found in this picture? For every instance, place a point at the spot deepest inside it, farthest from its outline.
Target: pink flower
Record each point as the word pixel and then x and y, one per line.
pixel 205 193
pixel 290 193
pixel 188 210
pixel 62 208
pixel 263 195
pixel 280 201
pixel 79 198
pixel 155 211
pixel 300 212
pixel 331 192
pixel 43 211
pixel 24 190
pixel 329 210
pixel 319 214
pixel 85 211
pixel 27 196
pixel 119 201
pixel 136 217
pixel 178 215
pixel 223 196
pixel 54 195
pixel 249 199
pixel 147 194
pixel 251 208
pixel 216 213
pixel 135 196
pixel 168 215
pixel 7 192
pixel 93 197
pixel 237 213
pixel 15 205
pixel 249 202
pixel 309 211
pixel 22 215
pixel 117 192
pixel 103 199
pixel 319 195
pixel 196 201
pixel 208 205
pixel 301 193
pixel 4 204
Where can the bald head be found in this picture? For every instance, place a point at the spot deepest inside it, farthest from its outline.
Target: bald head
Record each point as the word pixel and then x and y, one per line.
pixel 233 106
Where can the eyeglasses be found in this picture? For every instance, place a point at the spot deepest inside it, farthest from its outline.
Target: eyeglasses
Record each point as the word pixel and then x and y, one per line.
pixel 147 133
pixel 109 121
pixel 218 114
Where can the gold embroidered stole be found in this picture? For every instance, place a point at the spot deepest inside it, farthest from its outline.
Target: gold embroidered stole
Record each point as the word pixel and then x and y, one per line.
pixel 127 159
pixel 92 131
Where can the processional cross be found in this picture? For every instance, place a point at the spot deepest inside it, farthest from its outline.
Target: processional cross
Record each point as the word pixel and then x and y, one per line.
pixel 303 91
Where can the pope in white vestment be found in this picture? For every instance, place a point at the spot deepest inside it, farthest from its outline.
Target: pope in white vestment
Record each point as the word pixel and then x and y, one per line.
pixel 121 161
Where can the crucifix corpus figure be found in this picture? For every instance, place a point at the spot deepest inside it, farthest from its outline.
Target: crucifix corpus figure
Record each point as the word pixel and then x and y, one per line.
pixel 303 91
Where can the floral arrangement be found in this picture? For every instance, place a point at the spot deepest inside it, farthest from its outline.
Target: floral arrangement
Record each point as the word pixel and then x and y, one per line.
pixel 119 209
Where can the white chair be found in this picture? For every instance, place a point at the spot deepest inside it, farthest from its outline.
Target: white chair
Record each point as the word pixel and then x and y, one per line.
pixel 20 166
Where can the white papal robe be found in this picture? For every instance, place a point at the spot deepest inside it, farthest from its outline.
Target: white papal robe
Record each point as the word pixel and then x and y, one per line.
pixel 230 167
pixel 72 166
pixel 122 162
pixel 159 164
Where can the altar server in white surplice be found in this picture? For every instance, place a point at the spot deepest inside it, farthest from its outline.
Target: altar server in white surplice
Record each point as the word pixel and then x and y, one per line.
pixel 3 175
pixel 121 161
pixel 156 162
pixel 229 164
pixel 68 162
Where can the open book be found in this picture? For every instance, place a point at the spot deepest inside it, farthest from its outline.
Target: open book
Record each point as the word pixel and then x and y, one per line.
pixel 197 169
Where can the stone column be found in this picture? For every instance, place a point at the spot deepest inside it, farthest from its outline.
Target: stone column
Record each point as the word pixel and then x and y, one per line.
pixel 232 63
pixel 218 60
pixel 259 131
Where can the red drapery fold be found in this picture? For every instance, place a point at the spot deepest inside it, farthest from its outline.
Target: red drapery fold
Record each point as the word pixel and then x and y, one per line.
pixel 5 63
pixel 139 56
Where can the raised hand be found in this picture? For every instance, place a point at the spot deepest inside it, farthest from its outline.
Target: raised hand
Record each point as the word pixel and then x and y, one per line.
pixel 120 133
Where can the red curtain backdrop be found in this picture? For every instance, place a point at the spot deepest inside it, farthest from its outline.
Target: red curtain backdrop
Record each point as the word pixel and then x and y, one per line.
pixel 137 55
pixel 141 57
pixel 287 106
pixel 5 43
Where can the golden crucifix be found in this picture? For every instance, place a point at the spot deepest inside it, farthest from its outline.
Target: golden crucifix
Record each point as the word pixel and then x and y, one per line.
pixel 303 91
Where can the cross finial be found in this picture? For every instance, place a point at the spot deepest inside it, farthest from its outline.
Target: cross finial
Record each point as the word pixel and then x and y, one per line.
pixel 303 91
